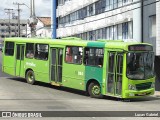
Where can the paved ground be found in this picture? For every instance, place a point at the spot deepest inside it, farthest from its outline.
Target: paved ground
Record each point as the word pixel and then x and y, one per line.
pixel 157 93
pixel 17 95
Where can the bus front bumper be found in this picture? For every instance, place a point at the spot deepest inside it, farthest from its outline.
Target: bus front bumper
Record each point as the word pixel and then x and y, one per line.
pixel 136 94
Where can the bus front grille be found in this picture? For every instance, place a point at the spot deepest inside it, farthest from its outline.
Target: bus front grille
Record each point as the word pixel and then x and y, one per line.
pixel 143 86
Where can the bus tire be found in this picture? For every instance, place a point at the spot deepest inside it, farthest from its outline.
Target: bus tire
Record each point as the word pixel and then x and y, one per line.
pixel 94 90
pixel 30 78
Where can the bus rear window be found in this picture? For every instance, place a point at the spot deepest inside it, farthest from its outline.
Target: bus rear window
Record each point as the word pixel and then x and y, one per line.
pixel 9 48
pixel 93 56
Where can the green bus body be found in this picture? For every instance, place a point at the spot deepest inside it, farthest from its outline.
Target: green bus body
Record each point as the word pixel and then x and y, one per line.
pixel 111 77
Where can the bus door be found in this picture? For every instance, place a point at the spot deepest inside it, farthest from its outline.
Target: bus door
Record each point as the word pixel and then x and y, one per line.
pixel 56 64
pixel 19 60
pixel 114 81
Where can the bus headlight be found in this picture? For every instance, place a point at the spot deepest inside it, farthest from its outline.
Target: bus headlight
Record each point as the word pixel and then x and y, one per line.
pixel 132 87
pixel 153 85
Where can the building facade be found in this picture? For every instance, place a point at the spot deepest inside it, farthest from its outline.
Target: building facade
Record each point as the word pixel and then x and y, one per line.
pixel 9 28
pixel 128 20
pixel 43 28
pixel 99 19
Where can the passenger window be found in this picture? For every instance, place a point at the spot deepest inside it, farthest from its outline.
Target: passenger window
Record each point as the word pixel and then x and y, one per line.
pixel 29 50
pixel 74 54
pixel 18 56
pixel 111 62
pixel 41 51
pixel 9 48
pixel 93 56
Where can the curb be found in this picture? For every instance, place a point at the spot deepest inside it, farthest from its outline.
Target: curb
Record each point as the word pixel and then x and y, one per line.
pixel 157 93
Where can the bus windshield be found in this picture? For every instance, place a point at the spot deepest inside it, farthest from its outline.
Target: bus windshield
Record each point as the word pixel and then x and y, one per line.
pixel 140 65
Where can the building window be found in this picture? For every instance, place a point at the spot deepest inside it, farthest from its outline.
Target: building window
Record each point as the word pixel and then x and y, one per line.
pixel 107 33
pixel 107 5
pixel 29 50
pixel 74 54
pixel 9 48
pixel 41 51
pixel 84 14
pixel 115 32
pixel 119 3
pixel 92 35
pixel 99 7
pixel 90 11
pixel 93 56
pixel 125 2
pixel 2 30
pixel 125 30
pixel 120 31
pixel 99 35
pixel 60 2
pixel 103 33
pixel 110 4
pixel 152 26
pixel 115 5
pixel 130 30
pixel 68 19
pixel 111 31
pixel 96 8
pixel 84 36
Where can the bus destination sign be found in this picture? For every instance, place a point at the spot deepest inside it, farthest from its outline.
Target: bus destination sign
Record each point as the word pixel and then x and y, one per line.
pixel 140 48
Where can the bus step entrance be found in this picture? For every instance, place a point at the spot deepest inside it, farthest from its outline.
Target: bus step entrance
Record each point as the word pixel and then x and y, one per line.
pixel 55 84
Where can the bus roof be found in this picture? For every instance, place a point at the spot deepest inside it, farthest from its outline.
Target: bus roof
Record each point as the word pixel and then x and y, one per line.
pixel 110 44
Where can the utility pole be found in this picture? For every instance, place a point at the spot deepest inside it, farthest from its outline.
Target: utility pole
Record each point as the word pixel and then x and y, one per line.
pixel 32 20
pixel 9 12
pixel 18 4
pixel 54 23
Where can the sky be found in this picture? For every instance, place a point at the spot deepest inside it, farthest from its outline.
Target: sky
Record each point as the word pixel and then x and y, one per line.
pixel 42 8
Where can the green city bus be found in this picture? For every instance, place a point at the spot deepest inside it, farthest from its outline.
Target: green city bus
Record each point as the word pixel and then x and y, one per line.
pixel 103 67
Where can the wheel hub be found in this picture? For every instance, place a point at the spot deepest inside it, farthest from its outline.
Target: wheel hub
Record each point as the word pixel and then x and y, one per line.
pixel 96 90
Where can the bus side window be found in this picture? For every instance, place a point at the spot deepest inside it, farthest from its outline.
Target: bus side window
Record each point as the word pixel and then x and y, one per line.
pixel 41 51
pixel 9 48
pixel 93 56
pixel 86 54
pixel 100 61
pixel 29 50
pixel 74 55
pixel 69 55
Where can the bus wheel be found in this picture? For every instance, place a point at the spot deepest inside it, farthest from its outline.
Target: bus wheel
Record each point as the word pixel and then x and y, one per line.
pixel 94 90
pixel 30 77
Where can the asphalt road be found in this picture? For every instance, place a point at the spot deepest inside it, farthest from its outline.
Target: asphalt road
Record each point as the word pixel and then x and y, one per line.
pixel 17 95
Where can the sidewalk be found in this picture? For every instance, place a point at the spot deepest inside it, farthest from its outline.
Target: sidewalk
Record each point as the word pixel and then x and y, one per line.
pixel 157 93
